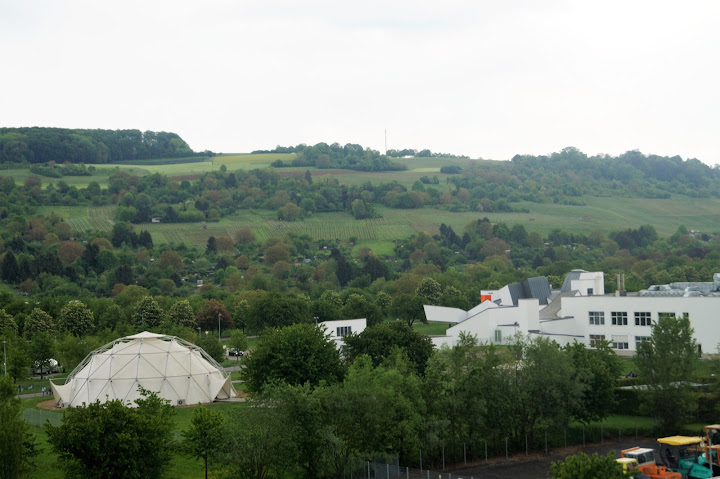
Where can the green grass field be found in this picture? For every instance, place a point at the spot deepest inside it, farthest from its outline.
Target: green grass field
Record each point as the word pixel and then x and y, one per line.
pixel 599 213
pixel 604 214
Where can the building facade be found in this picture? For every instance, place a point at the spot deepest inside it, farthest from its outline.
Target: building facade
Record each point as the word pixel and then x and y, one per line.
pixel 581 312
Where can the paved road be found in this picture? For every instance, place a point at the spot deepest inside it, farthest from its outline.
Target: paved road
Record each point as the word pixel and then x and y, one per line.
pixel 537 465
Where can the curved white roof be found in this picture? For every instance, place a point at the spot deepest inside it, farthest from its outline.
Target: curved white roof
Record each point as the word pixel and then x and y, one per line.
pixel 172 367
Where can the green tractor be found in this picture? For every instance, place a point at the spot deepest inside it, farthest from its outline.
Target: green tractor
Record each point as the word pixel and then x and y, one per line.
pixel 684 454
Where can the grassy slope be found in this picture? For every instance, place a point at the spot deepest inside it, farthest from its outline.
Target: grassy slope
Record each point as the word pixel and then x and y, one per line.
pixel 599 213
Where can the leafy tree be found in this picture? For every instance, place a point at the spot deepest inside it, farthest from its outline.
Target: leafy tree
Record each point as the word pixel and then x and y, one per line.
pixel 212 314
pixel 328 307
pixel 42 349
pixel 429 291
pixel 295 355
pixel 211 345
pixel 359 306
pixel 582 466
pixel 387 401
pixel 9 271
pixel 148 314
pixel 114 441
pixel 408 308
pixel 241 314
pixel 70 350
pixel 543 384
pixel 379 341
pixel 259 443
pixel 18 359
pixel 182 313
pixel 238 341
pixel 275 310
pixel 598 369
pixel 204 439
pixel 170 260
pixel 77 318
pixel 666 363
pixel 38 321
pixel 17 444
pixel 7 324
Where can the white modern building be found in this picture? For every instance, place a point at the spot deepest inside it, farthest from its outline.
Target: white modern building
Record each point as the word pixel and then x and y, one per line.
pixel 341 328
pixel 581 311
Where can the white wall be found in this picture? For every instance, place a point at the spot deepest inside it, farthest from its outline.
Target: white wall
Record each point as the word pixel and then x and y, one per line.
pixel 443 314
pixel 504 319
pixel 357 326
pixel 594 280
pixel 703 312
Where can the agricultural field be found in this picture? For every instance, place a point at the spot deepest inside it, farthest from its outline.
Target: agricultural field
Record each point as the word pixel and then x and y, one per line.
pixel 600 213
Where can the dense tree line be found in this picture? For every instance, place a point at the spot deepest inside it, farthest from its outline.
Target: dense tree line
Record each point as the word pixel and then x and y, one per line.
pixel 349 156
pixel 59 145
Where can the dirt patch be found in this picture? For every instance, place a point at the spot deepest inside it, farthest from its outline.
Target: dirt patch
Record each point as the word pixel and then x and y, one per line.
pixel 49 405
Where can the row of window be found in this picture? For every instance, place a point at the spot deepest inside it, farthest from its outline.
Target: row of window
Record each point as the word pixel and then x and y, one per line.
pixel 617 342
pixel 620 318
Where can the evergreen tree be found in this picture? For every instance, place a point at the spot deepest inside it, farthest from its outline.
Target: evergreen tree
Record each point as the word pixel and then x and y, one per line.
pixel 9 268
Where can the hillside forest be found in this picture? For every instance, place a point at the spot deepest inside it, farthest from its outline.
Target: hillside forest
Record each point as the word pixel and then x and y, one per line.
pixel 67 291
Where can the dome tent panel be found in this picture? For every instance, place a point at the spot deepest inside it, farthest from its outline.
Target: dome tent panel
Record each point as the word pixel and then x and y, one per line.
pixel 172 367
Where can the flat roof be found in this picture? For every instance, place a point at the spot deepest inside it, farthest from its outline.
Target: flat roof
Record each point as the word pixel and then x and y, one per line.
pixel 680 440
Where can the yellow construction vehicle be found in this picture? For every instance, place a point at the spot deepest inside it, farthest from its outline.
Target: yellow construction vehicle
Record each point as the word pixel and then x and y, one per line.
pixel 683 454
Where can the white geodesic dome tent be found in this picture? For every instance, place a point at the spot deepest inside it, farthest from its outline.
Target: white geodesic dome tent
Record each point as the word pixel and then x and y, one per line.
pixel 172 367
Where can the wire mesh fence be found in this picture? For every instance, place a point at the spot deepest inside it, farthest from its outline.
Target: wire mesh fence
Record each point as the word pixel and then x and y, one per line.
pixel 437 461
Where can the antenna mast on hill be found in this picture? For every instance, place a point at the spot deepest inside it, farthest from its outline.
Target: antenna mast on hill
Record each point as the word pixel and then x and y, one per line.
pixel 385 141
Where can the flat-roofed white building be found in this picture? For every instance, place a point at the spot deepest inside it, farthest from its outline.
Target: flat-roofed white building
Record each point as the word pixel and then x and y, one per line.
pixel 341 328
pixel 581 312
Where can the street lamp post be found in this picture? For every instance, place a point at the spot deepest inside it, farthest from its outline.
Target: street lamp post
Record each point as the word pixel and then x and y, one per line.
pixel 4 358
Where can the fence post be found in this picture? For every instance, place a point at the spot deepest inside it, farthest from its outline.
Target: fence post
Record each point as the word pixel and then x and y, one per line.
pixel 583 435
pixel 420 461
pixel 443 456
pixel 602 434
pixel 565 436
pixel 464 454
pixel 407 472
pixel 368 469
pixel 507 456
pixel 387 471
pixel 485 451
pixel 546 451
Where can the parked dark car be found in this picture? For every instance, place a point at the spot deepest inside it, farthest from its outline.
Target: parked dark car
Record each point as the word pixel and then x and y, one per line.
pixel 235 352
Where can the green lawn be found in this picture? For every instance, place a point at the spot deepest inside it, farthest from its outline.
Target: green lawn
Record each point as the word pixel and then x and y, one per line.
pixel 181 467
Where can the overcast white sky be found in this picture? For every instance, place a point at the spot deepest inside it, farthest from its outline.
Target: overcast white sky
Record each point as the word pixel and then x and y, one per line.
pixel 484 79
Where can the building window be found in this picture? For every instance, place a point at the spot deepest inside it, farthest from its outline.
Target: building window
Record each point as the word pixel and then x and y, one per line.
pixel 639 340
pixel 619 318
pixel 595 339
pixel 597 317
pixel 590 291
pixel 643 319
pixel 498 336
pixel 666 316
pixel 343 331
pixel 620 342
